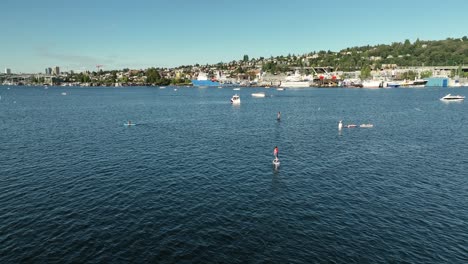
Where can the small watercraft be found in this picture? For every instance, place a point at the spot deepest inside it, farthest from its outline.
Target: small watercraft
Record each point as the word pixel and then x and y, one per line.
pixel 450 97
pixel 258 95
pixel 366 125
pixel 235 99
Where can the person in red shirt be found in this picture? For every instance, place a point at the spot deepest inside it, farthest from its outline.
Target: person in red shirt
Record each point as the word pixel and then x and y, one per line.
pixel 275 152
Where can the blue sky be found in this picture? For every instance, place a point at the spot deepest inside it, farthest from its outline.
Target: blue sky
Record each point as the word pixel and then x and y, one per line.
pixel 78 35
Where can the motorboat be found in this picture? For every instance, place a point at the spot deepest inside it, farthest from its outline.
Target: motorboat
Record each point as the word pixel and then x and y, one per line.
pixel 236 89
pixel 280 89
pixel 351 126
pixel 416 83
pixel 391 84
pixel 450 97
pixel 235 99
pixel 372 84
pixel 366 125
pixel 258 95
pixel 296 81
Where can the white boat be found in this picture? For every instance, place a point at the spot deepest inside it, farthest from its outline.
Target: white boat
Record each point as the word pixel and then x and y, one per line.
pixel 415 83
pixel 236 89
pixel 450 97
pixel 391 84
pixel 235 99
pixel 366 125
pixel 372 84
pixel 280 89
pixel 296 81
pixel 258 95
pixel 419 83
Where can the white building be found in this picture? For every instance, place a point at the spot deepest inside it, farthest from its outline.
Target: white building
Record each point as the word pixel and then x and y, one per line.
pixel 7 71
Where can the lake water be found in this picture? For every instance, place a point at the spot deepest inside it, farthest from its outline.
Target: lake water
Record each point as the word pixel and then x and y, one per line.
pixel 193 180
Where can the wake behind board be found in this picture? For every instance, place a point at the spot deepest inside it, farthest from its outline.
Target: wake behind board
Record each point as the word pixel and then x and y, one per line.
pixel 276 162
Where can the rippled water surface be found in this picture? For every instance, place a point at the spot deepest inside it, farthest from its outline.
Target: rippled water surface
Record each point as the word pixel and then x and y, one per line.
pixel 192 181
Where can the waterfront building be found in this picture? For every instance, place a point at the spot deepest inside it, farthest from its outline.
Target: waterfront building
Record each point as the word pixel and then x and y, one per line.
pixel 48 71
pixel 7 71
pixel 56 70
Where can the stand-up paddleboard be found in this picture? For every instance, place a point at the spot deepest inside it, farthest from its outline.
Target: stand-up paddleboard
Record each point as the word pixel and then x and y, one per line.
pixel 276 162
pixel 131 124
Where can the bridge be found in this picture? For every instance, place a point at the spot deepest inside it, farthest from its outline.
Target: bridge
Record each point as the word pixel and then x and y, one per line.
pixel 25 78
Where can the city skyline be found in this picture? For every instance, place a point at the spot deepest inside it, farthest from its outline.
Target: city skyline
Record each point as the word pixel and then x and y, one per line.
pixel 140 34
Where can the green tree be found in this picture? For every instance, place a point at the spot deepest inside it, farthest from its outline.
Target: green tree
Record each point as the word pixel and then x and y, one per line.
pixel 365 72
pixel 152 76
pixel 426 74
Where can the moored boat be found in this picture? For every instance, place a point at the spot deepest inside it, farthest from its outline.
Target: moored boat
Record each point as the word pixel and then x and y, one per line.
pixel 372 84
pixel 296 81
pixel 202 80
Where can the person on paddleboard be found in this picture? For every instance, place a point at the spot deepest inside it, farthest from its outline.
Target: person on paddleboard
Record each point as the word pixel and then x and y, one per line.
pixel 275 152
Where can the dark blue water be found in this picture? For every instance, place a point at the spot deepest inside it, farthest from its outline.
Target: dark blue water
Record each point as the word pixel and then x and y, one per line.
pixel 193 180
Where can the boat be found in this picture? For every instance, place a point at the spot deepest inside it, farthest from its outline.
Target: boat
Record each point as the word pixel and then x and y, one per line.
pixel 391 84
pixel 372 84
pixel 366 125
pixel 351 126
pixel 450 97
pixel 235 99
pixel 258 95
pixel 415 83
pixel 419 83
pixel 236 89
pixel 202 80
pixel 296 81
pixel 280 89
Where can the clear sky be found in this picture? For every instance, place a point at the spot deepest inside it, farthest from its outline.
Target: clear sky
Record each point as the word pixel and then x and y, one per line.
pixel 78 35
